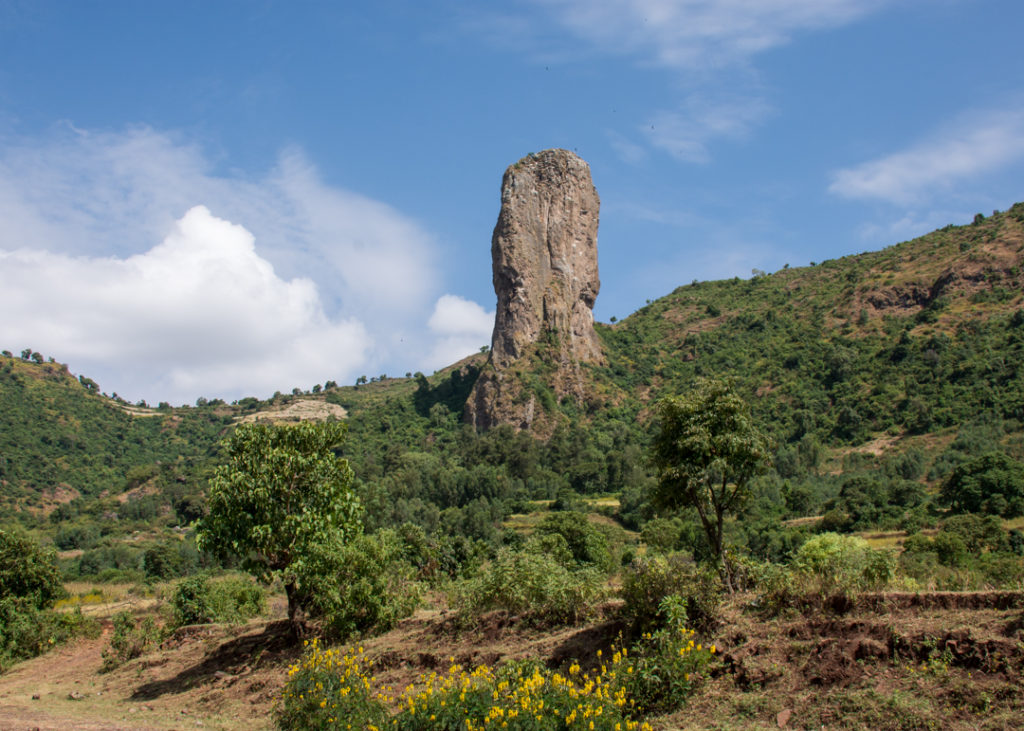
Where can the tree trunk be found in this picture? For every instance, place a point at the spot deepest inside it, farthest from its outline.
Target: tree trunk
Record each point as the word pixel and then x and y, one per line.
pixel 296 617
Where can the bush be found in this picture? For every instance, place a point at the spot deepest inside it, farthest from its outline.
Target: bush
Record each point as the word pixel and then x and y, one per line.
pixel 129 640
pixel 170 560
pixel 587 544
pixel 202 600
pixel 365 586
pixel 842 564
pixel 667 664
pixel 332 689
pixel 329 689
pixel 27 572
pixel 979 533
pixel 534 586
pixel 648 581
pixel 26 631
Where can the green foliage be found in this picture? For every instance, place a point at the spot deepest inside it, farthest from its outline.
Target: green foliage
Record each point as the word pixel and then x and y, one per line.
pixel 587 545
pixel 27 572
pixel 204 600
pixel 649 581
pixel 992 483
pixel 26 631
pixel 867 501
pixel 29 585
pixel 837 564
pixel 707 450
pixel 970 551
pixel 130 639
pixel 170 560
pixel 282 500
pixel 533 585
pixel 365 585
pixel 332 689
pixel 668 663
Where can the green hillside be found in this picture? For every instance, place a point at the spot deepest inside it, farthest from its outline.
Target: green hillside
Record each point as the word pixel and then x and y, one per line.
pixel 891 367
pixel 916 338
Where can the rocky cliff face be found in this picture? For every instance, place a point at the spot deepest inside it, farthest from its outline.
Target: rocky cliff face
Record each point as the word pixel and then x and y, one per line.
pixel 544 254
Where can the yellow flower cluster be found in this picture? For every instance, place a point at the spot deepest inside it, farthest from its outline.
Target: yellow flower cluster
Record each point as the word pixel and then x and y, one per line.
pixel 336 689
pixel 333 689
pixel 526 698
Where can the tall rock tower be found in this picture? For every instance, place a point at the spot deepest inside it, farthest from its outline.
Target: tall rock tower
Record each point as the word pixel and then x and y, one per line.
pixel 544 255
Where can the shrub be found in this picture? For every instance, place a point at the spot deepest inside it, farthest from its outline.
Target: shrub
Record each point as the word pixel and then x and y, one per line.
pixel 979 533
pixel 27 572
pixel 587 544
pixel 667 664
pixel 26 631
pixel 662 534
pixel 202 600
pixel 534 586
pixel 129 640
pixel 365 586
pixel 648 581
pixel 843 563
pixel 331 689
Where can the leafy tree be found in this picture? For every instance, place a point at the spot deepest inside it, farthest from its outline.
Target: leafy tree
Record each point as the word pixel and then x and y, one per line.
pixel 706 452
pixel 282 498
pixel 587 544
pixel 992 483
pixel 27 572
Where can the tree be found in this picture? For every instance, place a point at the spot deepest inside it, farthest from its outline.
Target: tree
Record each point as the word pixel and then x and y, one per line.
pixel 706 452
pixel 992 483
pixel 282 500
pixel 27 572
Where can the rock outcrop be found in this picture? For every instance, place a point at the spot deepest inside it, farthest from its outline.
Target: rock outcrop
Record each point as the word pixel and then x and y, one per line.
pixel 544 254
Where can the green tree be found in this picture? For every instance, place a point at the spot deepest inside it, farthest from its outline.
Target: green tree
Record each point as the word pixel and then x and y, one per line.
pixel 992 483
pixel 282 498
pixel 706 452
pixel 27 572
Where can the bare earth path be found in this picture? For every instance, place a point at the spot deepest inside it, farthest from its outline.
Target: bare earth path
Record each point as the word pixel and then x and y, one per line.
pixel 210 677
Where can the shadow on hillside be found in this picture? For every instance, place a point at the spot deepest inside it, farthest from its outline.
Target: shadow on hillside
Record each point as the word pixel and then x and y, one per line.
pixel 582 646
pixel 276 643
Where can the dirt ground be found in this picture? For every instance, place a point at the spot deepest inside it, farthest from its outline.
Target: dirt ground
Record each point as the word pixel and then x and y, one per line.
pixel 889 661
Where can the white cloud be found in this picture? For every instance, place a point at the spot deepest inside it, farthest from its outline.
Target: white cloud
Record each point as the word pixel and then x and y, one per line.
pixel 973 146
pixel 687 34
pixel 627 150
pixel 461 327
pixel 86 205
pixel 200 313
pixel 685 133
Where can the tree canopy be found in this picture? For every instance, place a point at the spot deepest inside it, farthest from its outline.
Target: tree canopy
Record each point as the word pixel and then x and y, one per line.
pixel 992 483
pixel 27 572
pixel 706 451
pixel 282 499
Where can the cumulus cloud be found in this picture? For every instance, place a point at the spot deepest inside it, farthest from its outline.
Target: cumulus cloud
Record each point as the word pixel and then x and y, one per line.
pixel 323 266
pixel 201 312
pixel 461 327
pixel 973 146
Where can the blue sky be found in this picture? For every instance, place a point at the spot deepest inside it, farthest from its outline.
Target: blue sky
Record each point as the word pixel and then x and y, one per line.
pixel 231 198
